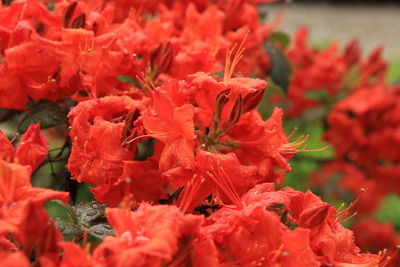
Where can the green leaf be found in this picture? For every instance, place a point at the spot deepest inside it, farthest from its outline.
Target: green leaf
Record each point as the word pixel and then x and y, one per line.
pixel 280 70
pixel 47 113
pixel 89 214
pixel 67 228
pixel 145 149
pixel 128 79
pixel 320 95
pixel 394 72
pixel 276 89
pixel 280 37
pixel 101 230
pixel 390 210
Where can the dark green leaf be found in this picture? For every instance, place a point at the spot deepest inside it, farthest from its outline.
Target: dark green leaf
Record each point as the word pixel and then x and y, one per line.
pixel 146 149
pixel 89 214
pixel 280 70
pixel 68 228
pixel 6 114
pixel 101 230
pixel 47 113
pixel 6 2
pixel 277 206
pixel 128 79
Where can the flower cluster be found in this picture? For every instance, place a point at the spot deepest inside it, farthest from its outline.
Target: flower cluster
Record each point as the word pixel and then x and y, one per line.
pixel 322 76
pixel 164 127
pixel 25 227
pixel 362 125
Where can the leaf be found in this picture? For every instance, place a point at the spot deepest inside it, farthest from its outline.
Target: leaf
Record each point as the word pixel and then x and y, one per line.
pixel 145 149
pixel 280 70
pixel 280 37
pixel 276 89
pixel 6 114
pixel 47 113
pixel 128 79
pixel 68 228
pixel 6 2
pixel 320 95
pixel 101 230
pixel 89 214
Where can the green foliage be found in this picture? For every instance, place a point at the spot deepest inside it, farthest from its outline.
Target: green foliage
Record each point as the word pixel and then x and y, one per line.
pixel 394 72
pixel 305 163
pixel 82 218
pixel 390 210
pixel 47 113
pixel 128 79
pixel 89 214
pixel 280 70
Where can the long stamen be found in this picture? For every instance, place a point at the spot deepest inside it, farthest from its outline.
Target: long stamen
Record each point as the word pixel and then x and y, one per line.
pixel 146 81
pixel 292 133
pixel 190 192
pixel 231 65
pixel 235 196
pixel 342 213
pixel 222 180
pixel 299 146
pixel 14 138
pixel 143 136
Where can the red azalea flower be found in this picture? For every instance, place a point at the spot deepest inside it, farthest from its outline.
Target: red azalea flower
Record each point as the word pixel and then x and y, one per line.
pixel 31 151
pixel 150 236
pixel 140 181
pixel 98 141
pixel 174 127
pixel 22 212
pixel 255 236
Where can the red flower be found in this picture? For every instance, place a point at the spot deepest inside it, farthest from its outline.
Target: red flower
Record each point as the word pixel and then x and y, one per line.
pixel 98 149
pixel 22 212
pixel 255 236
pixel 329 240
pixel 140 181
pixel 150 236
pixel 15 258
pixel 31 151
pixel 174 127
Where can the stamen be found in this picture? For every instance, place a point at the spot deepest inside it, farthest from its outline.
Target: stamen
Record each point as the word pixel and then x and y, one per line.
pixel 231 65
pixel 219 176
pixel 146 82
pixel 294 147
pixel 127 142
pixel 292 133
pixel 342 213
pixel 14 138
pixel 190 192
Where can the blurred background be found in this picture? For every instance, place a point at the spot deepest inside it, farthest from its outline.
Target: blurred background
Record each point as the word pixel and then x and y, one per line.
pixel 373 23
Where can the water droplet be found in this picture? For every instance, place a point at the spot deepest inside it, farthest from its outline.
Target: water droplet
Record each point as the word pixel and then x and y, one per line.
pixel 91 213
pixel 99 232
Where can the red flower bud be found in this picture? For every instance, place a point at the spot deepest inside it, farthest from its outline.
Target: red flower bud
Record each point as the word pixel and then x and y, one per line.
pixel 252 100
